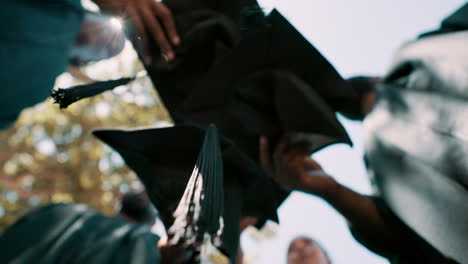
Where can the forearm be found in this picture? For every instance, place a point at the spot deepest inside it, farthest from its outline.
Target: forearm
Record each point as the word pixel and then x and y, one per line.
pixel 358 209
pixel 363 216
pixel 371 223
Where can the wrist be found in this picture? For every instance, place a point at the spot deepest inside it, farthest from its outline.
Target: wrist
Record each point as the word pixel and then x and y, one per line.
pixel 333 191
pixel 328 190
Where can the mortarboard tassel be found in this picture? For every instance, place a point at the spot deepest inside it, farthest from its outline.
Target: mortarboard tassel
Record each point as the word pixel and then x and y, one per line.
pixel 199 213
pixel 66 97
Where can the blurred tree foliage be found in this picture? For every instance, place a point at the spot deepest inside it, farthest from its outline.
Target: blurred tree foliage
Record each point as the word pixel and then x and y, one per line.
pixel 49 154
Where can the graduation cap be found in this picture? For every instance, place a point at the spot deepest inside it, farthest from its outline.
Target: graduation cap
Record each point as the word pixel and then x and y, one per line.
pixel 164 160
pixel 74 233
pixel 457 21
pixel 272 83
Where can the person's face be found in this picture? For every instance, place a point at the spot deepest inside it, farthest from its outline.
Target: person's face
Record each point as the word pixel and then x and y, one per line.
pixel 306 251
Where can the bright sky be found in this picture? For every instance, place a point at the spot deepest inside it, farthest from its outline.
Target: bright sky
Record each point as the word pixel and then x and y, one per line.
pixel 358 37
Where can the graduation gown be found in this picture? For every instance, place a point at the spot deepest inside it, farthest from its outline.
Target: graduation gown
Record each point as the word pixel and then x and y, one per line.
pixel 74 233
pixel 417 143
pixel 35 41
pixel 410 248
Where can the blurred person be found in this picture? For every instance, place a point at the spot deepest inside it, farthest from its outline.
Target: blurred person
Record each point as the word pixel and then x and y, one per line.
pixel 415 152
pixel 75 233
pixel 371 222
pixel 305 250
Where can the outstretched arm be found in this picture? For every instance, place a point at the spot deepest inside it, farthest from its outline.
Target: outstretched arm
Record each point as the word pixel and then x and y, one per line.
pixel 295 170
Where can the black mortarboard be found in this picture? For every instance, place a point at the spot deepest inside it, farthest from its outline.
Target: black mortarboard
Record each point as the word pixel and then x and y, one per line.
pixel 273 82
pixel 74 233
pixel 164 159
pixel 457 21
pixel 232 9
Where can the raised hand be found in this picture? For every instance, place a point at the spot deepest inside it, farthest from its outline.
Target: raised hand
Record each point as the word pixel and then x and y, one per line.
pixel 152 19
pixel 294 169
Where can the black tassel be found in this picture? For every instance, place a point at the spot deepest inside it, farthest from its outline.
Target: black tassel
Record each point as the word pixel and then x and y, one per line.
pixel 198 216
pixel 66 97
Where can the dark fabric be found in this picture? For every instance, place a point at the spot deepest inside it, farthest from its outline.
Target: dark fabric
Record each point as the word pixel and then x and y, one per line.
pixel 229 8
pixel 408 250
pixel 72 233
pixel 35 39
pixel 416 141
pixel 249 86
pixel 164 159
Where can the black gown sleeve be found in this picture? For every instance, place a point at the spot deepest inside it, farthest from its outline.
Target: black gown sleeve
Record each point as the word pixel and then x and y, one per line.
pixel 410 248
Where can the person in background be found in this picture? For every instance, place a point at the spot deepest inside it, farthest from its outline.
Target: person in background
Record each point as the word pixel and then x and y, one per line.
pixel 305 250
pixel 136 207
pixel 75 233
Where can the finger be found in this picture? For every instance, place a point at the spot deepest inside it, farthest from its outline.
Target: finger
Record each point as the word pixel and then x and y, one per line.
pixel 157 32
pixel 167 19
pixel 140 40
pixel 265 155
pixel 294 160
